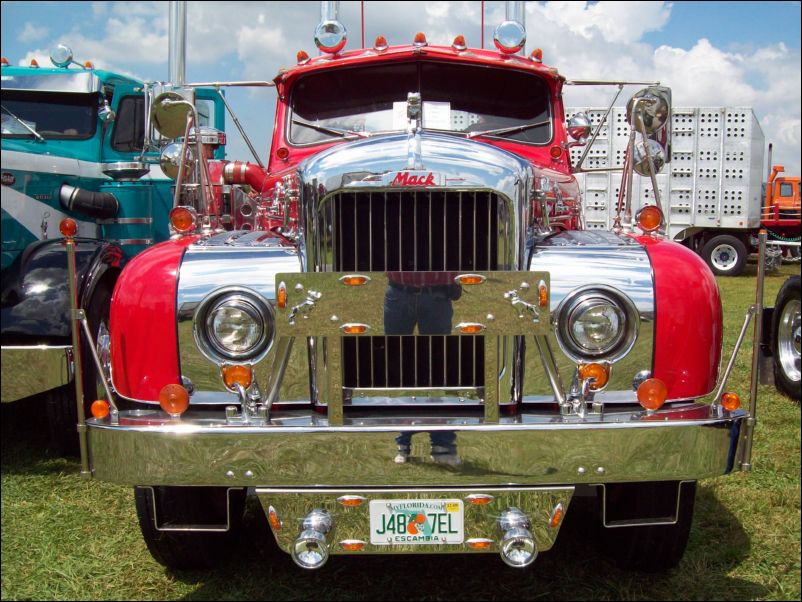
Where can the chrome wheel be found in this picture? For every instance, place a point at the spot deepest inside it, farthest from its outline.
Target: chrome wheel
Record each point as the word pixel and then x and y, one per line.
pixel 724 257
pixel 789 332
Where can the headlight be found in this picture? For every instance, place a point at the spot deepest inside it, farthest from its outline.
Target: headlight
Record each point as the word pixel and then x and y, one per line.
pixel 596 323
pixel 233 324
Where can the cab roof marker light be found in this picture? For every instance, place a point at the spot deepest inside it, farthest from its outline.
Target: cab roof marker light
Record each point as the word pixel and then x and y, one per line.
pixel 4 61
pixel 459 43
pixel 537 55
pixel 419 41
pixel 302 57
pixel 380 44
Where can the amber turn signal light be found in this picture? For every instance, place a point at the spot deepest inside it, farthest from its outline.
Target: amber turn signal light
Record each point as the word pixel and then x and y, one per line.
pixel 600 373
pixel 354 280
pixel 537 55
pixel 352 545
pixel 652 394
pixel 302 57
pixel 100 408
pixel 649 218
pixel 281 296
pixel 174 399
pixel 470 279
pixel 273 519
pixel 470 328
pixel 556 516
pixel 183 219
pixel 542 294
pixel 68 227
pixel 731 401
pixel 354 328
pixel 237 375
pixel 479 544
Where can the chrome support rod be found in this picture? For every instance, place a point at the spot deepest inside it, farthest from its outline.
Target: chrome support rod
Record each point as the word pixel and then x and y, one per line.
pixel 277 370
pixel 179 181
pixel 750 313
pixel 90 342
pixel 598 129
pixel 652 170
pixel 76 315
pixel 240 128
pixel 751 421
pixel 550 366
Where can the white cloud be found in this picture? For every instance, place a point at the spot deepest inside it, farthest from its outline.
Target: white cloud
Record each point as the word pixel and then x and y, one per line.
pixel 32 33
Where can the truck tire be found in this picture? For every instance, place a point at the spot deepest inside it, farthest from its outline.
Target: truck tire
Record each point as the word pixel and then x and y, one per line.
pixel 725 254
pixel 62 411
pixel 187 550
pixel 785 338
pixel 652 548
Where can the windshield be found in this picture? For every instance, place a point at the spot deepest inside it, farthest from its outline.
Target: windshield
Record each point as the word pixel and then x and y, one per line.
pixel 49 114
pixel 457 98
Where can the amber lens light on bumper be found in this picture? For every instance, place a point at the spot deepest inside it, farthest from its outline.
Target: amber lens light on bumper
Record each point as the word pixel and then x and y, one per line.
pixel 354 280
pixel 100 408
pixel 174 399
pixel 652 394
pixel 237 375
pixel 731 401
pixel 598 372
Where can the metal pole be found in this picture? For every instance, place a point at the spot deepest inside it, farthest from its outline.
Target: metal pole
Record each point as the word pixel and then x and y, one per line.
pixel 76 315
pixel 240 128
pixel 751 420
pixel 483 24
pixel 177 47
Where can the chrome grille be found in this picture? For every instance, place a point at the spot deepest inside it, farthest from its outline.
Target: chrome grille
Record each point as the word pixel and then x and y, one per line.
pixel 414 231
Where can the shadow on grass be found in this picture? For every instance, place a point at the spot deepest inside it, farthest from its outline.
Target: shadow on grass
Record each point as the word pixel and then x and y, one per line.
pixel 576 568
pixel 25 447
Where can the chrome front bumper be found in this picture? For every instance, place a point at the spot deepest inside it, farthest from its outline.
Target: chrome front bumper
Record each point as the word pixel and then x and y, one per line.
pixel 28 370
pixel 299 449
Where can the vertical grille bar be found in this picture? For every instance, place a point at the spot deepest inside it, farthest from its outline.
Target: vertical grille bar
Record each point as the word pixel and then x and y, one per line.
pixel 401 361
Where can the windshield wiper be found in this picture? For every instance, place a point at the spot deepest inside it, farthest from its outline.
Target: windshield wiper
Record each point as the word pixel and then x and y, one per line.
pixel 331 131
pixel 510 130
pixel 23 124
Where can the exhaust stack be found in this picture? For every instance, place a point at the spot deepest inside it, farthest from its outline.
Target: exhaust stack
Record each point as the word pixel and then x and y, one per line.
pixel 177 51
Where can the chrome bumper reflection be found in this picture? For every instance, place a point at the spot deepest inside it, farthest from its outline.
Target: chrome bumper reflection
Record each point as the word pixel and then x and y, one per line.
pixel 299 448
pixel 31 370
pixel 352 523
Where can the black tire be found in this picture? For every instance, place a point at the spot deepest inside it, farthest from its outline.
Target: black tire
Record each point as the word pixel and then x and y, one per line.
pixel 785 338
pixel 650 548
pixel 725 254
pixel 187 550
pixel 62 411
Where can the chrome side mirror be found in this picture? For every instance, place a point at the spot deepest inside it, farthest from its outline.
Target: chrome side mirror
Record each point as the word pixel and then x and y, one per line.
pixel 640 161
pixel 105 113
pixel 169 114
pixel 579 127
pixel 650 109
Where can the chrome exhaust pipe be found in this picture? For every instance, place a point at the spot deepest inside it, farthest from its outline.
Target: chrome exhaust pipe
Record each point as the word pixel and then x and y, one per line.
pixel 177 45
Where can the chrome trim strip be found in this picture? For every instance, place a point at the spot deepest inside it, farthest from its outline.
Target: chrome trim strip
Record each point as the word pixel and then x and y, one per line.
pixel 126 220
pixel 28 370
pixel 79 82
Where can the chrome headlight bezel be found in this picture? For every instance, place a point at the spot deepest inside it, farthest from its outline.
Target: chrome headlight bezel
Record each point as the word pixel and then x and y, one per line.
pixel 576 304
pixel 245 300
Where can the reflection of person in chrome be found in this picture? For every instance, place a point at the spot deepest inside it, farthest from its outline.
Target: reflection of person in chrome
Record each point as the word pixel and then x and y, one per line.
pixel 444 447
pixel 422 299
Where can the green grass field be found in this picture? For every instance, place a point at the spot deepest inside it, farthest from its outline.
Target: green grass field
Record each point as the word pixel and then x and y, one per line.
pixel 66 538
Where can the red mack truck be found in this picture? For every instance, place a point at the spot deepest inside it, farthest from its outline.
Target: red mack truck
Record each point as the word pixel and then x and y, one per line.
pixel 398 334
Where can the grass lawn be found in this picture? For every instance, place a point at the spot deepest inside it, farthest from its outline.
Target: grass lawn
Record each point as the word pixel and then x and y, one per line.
pixel 67 538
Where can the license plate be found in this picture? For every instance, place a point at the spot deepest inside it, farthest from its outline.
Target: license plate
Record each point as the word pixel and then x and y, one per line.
pixel 416 522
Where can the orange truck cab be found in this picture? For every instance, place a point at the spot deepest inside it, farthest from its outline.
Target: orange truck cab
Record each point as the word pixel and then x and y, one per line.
pixel 782 196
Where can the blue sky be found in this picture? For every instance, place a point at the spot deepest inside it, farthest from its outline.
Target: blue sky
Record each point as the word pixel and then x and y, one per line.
pixel 710 53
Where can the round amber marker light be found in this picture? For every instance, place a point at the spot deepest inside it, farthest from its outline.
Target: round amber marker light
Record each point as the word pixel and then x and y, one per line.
pixel 537 55
pixel 652 394
pixel 598 372
pixel 731 401
pixel 282 152
pixel 237 375
pixel 420 38
pixel 182 219
pixel 174 399
pixel 650 218
pixel 301 56
pixel 380 43
pixel 68 227
pixel 100 408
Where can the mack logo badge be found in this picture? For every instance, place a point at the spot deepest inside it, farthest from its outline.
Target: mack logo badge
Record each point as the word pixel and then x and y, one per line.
pixel 8 179
pixel 404 178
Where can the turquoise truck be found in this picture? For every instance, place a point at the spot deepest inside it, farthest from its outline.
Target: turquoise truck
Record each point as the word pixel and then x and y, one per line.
pixel 77 142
